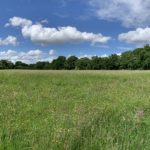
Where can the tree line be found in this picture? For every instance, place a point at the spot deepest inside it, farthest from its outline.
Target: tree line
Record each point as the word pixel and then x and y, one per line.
pixel 139 58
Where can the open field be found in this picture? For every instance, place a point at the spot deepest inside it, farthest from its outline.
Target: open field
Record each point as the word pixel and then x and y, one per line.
pixel 75 110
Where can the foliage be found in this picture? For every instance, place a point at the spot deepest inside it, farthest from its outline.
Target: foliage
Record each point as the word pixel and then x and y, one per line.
pixel 130 60
pixel 83 64
pixel 70 63
pixel 59 63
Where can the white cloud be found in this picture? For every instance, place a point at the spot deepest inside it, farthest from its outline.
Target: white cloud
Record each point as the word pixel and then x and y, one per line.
pixel 104 55
pixel 39 34
pixel 125 48
pixel 138 36
pixel 34 53
pixel 60 15
pixel 86 56
pixel 46 35
pixel 30 56
pixel 52 52
pixel 18 21
pixel 45 21
pixel 119 54
pixel 10 40
pixel 90 56
pixel 131 13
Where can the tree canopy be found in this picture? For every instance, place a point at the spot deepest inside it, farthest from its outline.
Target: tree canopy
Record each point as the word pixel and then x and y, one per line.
pixel 139 58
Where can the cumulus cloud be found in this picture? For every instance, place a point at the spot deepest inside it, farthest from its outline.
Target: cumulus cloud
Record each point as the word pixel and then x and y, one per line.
pixel 18 21
pixel 39 34
pixel 30 56
pixel 104 55
pixel 86 56
pixel 52 52
pixel 44 21
pixel 138 36
pixel 119 54
pixel 130 13
pixel 47 35
pixel 90 56
pixel 10 40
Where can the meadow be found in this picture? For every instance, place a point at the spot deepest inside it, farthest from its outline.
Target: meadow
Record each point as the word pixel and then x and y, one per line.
pixel 74 110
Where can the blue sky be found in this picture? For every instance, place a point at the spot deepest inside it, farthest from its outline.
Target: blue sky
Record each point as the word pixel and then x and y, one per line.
pixel 36 30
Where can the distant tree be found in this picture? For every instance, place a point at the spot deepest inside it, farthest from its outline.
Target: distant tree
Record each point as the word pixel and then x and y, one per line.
pixel 59 63
pixel 139 58
pixel 70 62
pixel 125 60
pixel 5 64
pixel 32 66
pixel 42 65
pixel 83 64
pixel 147 47
pixel 146 64
pixel 96 63
pixel 113 62
pixel 21 65
pixel 145 61
pixel 104 63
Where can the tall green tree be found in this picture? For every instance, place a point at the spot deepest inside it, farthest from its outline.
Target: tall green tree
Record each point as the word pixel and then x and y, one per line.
pixel 95 63
pixel 83 64
pixel 5 64
pixel 114 62
pixel 42 65
pixel 71 62
pixel 21 65
pixel 59 63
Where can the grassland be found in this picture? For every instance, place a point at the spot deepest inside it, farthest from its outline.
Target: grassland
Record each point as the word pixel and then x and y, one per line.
pixel 75 110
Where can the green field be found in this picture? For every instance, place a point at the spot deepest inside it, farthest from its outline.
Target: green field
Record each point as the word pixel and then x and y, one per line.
pixel 75 110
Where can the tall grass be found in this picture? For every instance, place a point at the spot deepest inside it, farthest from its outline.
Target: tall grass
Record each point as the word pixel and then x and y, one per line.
pixel 75 110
